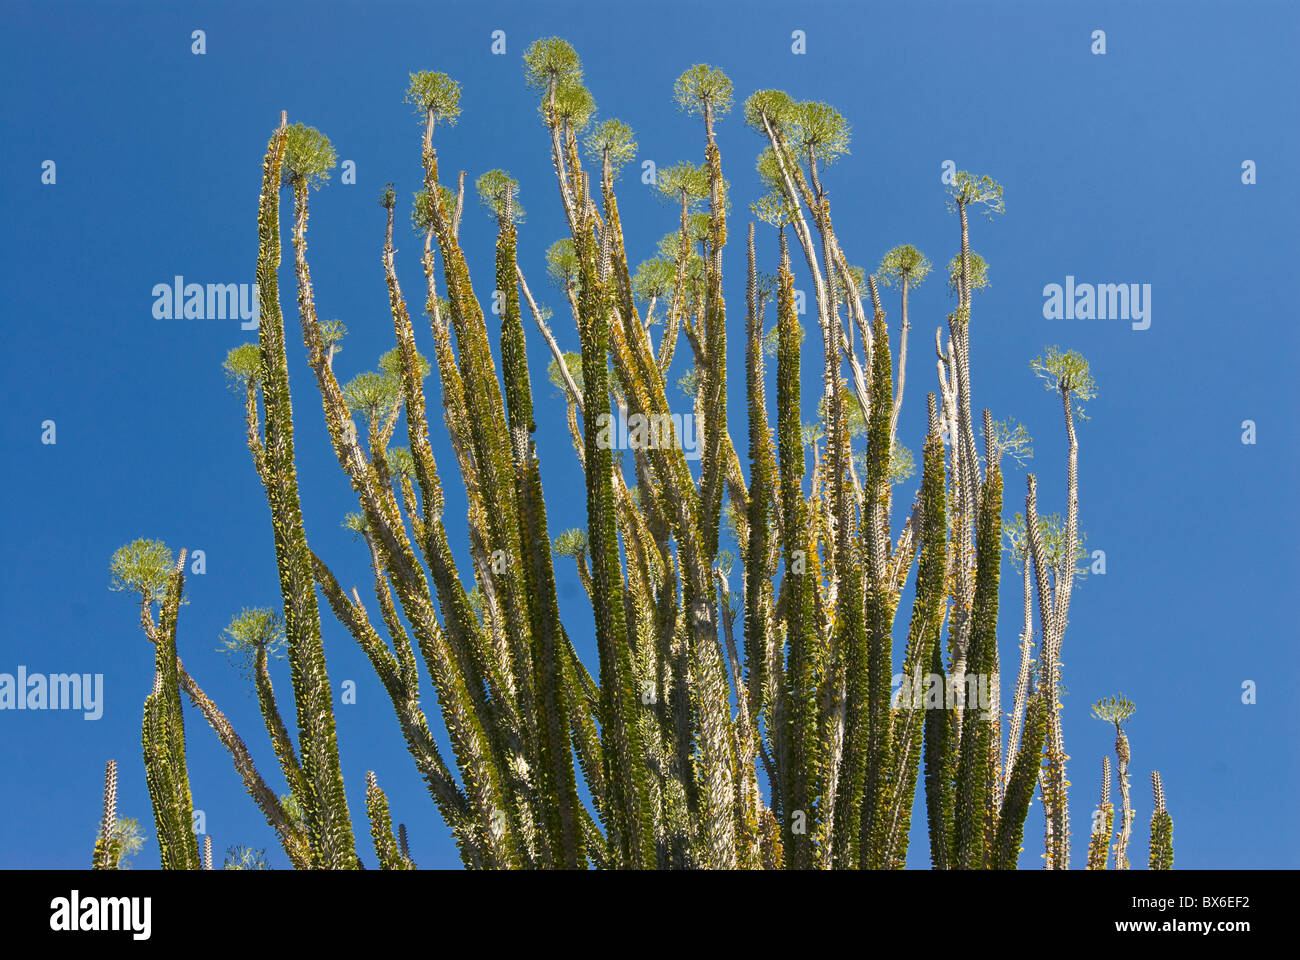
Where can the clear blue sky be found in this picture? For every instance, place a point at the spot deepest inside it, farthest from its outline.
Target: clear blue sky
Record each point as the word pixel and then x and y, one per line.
pixel 1122 168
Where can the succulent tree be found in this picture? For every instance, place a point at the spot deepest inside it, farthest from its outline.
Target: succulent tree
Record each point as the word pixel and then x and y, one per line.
pixel 1117 711
pixel 142 566
pixel 1103 823
pixel 740 711
pixel 105 856
pixel 391 853
pixel 1067 374
pixel 301 156
pixel 1162 828
pixel 119 838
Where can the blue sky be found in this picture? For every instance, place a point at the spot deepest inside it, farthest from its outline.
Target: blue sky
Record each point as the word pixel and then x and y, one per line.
pixel 1119 168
